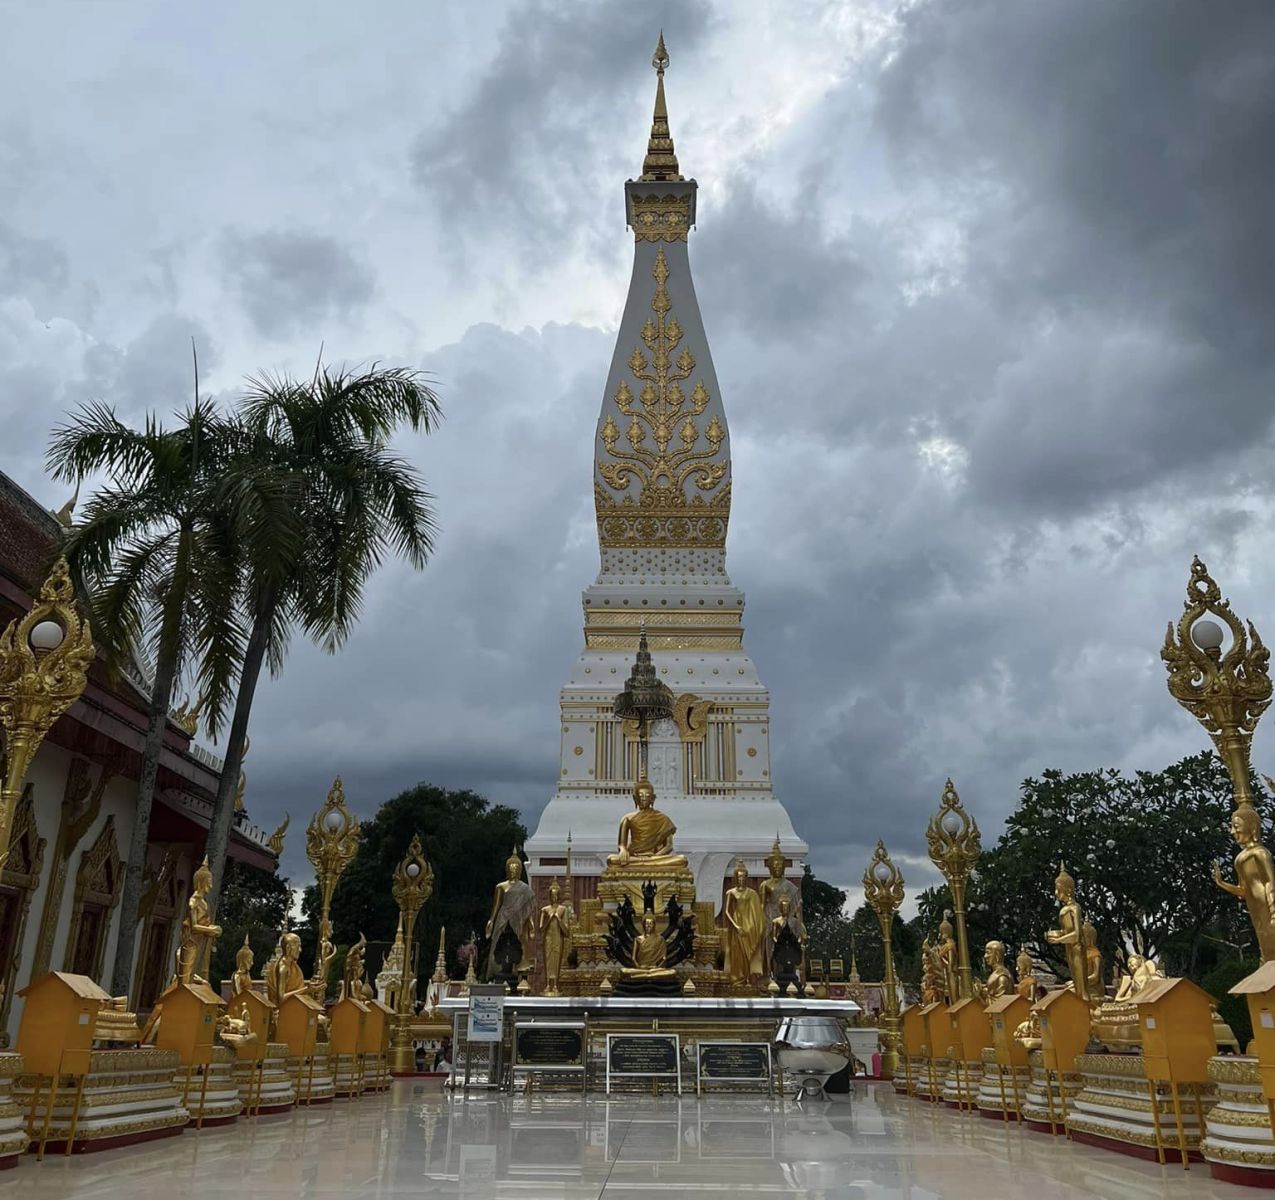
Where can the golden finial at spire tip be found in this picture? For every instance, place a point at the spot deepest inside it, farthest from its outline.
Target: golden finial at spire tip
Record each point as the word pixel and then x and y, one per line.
pixel 660 60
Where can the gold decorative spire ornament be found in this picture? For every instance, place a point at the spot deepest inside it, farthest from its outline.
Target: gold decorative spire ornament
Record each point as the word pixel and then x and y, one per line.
pixel 955 845
pixel 883 891
pixel 1227 693
pixel 413 884
pixel 44 661
pixel 331 841
pixel 660 163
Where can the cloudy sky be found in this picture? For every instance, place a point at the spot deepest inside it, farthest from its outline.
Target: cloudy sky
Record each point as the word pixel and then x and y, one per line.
pixel 989 287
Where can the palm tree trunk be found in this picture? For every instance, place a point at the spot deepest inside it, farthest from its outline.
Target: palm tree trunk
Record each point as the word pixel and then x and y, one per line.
pixel 224 807
pixel 161 700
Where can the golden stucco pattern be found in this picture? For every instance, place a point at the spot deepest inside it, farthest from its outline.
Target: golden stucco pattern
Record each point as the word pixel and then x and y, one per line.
pixel 665 445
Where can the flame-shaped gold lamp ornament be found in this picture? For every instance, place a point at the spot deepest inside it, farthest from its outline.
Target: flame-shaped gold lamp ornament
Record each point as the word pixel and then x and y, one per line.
pixel 413 885
pixel 331 841
pixel 44 661
pixel 955 845
pixel 883 891
pixel 1227 693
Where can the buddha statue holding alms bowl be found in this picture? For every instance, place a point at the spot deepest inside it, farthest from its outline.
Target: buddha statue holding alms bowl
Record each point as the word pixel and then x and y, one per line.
pixel 646 835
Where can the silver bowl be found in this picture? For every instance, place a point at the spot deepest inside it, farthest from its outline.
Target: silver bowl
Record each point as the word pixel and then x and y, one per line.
pixel 812 1049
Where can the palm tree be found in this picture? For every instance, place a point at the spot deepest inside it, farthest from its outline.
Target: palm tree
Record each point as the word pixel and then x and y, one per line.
pixel 320 499
pixel 154 554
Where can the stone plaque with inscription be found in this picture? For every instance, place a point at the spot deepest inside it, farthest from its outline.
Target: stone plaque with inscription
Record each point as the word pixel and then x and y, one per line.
pixel 650 1055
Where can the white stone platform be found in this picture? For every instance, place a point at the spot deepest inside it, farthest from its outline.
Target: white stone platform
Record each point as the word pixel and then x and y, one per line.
pixel 659 1006
pixel 13 1129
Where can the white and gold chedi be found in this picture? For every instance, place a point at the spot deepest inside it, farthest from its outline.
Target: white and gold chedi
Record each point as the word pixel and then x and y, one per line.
pixel 662 492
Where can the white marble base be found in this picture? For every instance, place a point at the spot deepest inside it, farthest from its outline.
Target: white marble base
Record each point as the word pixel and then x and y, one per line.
pixel 376 1073
pixel 960 1084
pixel 219 1102
pixel 997 1088
pixel 1237 1129
pixel 931 1077
pixel 13 1129
pixel 128 1095
pixel 347 1074
pixel 658 1006
pixel 278 1091
pixel 313 1079
pixel 1116 1103
pixel 1045 1104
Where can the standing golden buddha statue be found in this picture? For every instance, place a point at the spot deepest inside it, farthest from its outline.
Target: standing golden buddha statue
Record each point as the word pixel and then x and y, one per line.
pixel 1069 934
pixel 947 956
pixel 775 888
pixel 745 928
pixel 513 907
pixel 555 934
pixel 198 933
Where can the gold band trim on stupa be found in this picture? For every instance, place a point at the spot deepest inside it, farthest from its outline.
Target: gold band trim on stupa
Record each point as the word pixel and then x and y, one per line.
pixel 666 446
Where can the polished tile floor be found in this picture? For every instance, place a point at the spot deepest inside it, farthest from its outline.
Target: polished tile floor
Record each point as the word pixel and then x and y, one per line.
pixel 416 1141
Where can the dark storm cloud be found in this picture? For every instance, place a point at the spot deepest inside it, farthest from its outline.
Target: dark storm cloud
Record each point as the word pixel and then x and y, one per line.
pixel 988 294
pixel 1109 166
pixel 542 120
pixel 294 281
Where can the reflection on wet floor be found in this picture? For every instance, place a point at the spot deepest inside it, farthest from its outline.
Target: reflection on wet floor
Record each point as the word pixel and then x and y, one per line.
pixel 418 1141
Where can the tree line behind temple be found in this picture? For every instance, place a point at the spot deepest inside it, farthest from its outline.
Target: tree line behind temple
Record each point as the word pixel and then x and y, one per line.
pixel 1141 848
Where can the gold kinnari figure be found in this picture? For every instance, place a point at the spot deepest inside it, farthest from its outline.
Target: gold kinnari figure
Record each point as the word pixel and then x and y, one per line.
pixel 1069 934
pixel 650 952
pixel 555 931
pixel 646 834
pixel 744 928
pixel 197 932
pixel 513 906
pixel 352 985
pixel 999 981
pixel 1255 875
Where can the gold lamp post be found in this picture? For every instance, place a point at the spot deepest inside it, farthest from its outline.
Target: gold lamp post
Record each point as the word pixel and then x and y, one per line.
pixel 955 845
pixel 883 890
pixel 331 840
pixel 1227 693
pixel 413 885
pixel 44 662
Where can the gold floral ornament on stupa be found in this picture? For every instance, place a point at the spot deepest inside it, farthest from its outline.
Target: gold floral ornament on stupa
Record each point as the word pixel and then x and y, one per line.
pixel 1227 692
pixel 44 661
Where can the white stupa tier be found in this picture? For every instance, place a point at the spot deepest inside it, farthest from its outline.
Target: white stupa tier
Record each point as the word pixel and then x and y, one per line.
pixel 662 488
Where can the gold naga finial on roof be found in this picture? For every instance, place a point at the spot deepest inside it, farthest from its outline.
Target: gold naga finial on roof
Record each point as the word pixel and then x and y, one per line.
pixel 660 163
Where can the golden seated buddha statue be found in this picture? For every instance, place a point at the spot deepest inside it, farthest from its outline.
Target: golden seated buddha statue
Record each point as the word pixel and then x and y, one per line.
pixel 645 839
pixel 649 954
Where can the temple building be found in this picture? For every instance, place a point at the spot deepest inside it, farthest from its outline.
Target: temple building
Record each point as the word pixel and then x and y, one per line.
pixel 61 884
pixel 662 492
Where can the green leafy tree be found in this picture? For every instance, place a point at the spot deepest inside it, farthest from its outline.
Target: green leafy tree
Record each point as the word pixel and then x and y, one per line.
pixel 823 912
pixel 320 499
pixel 466 839
pixel 869 949
pixel 1141 849
pixel 253 905
pixel 153 554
